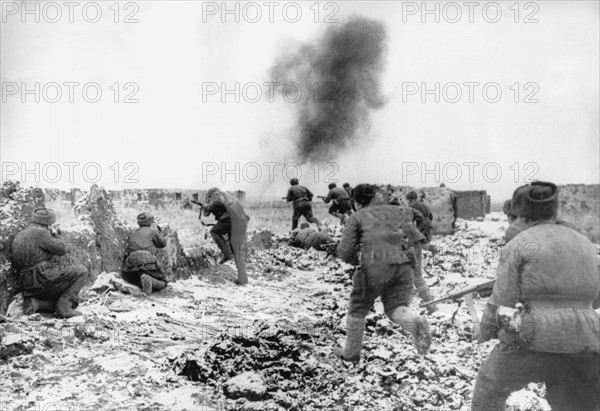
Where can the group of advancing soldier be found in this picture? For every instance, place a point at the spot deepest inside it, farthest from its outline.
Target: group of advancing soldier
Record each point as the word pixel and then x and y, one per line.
pixel 548 282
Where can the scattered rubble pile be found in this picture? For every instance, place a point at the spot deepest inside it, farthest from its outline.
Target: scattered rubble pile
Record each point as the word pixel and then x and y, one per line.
pixel 298 372
pixel 291 367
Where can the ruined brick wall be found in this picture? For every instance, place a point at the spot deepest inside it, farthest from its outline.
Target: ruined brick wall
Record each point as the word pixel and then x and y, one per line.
pixel 579 204
pixel 471 204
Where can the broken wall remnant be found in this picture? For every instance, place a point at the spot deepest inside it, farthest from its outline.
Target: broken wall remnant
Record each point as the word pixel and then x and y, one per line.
pixel 579 204
pixel 95 238
pixel 111 233
pixel 471 204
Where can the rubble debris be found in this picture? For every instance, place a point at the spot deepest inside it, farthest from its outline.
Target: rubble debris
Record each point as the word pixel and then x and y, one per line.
pixel 14 350
pixel 248 385
pixel 181 351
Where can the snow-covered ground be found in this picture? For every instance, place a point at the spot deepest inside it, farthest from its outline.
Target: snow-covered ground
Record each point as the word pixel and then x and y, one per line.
pixel 133 352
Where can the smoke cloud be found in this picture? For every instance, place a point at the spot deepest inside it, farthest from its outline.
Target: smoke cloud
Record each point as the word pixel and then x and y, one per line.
pixel 339 80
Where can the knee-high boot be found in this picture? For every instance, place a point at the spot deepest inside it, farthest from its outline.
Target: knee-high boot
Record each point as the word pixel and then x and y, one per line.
pixel 355 328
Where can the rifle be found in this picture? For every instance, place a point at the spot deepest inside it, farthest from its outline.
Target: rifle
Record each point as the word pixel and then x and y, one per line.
pixel 487 286
pixel 467 293
pixel 200 216
pixel 320 196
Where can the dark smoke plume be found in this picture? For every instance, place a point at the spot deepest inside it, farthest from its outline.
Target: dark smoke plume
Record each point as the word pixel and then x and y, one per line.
pixel 339 77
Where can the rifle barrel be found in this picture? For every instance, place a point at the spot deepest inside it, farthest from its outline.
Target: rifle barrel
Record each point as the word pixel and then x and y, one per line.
pixel 463 292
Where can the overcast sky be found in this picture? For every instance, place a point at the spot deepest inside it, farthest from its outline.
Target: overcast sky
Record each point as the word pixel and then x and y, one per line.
pixel 177 136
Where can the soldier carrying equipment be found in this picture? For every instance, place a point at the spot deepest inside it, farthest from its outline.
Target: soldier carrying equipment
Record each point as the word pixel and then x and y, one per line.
pixel 47 286
pixel 141 266
pixel 372 241
pixel 232 221
pixel 542 311
pixel 340 202
pixel 301 197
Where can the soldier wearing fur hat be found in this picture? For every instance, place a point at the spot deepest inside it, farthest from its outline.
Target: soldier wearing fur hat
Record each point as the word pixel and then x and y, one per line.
pixel 378 231
pixel 507 209
pixel 301 197
pixel 46 285
pixel 542 311
pixel 141 266
pixel 340 202
pixel 232 221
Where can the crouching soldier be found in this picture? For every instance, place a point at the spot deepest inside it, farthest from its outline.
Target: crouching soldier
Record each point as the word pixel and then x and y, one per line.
pixel 383 270
pixel 141 266
pixel 231 221
pixel 542 311
pixel 340 202
pixel 46 285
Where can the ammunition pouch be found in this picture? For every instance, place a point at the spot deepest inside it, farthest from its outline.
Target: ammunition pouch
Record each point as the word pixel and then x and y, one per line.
pixel 29 276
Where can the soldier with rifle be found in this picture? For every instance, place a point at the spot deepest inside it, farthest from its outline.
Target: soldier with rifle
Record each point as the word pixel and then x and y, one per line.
pixel 232 221
pixel 340 202
pixel 301 197
pixel 141 266
pixel 542 311
pixel 46 285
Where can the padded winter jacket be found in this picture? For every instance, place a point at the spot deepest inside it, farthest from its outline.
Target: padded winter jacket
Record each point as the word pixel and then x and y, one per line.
pixel 554 272
pixel 380 233
pixel 298 193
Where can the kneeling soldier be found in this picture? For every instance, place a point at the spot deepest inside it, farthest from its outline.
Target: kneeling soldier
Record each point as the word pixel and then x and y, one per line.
pixel 141 266
pixel 46 285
